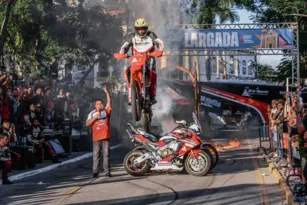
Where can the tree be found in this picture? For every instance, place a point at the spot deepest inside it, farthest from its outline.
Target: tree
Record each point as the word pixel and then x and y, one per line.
pixel 43 33
pixel 276 11
pixel 3 32
pixel 266 72
pixel 207 12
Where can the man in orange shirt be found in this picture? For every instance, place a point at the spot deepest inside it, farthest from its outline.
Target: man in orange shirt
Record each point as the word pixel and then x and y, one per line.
pixel 99 119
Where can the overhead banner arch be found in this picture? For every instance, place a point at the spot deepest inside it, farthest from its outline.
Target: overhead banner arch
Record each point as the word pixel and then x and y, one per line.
pixel 234 40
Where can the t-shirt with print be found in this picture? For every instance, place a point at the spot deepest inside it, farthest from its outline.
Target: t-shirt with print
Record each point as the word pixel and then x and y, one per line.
pixel 101 127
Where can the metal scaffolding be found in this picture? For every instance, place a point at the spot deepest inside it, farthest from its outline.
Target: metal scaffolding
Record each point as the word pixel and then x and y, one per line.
pixel 292 52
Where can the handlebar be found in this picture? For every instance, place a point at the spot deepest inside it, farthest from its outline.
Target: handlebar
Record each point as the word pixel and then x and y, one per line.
pixel 155 54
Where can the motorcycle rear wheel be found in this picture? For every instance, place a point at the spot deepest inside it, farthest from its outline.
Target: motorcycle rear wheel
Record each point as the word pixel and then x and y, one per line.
pixel 215 155
pixel 145 121
pixel 135 102
pixel 190 164
pixel 139 171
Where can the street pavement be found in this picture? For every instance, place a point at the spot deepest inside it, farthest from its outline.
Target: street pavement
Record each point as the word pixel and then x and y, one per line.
pixel 239 178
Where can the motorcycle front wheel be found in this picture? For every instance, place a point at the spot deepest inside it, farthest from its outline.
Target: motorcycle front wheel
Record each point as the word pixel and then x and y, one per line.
pixel 198 167
pixel 139 170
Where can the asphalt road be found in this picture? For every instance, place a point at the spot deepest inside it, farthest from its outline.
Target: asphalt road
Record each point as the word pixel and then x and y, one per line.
pixel 239 178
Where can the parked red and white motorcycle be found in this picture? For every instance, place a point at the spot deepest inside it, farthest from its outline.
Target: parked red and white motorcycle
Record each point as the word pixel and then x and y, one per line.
pixel 172 152
pixel 206 146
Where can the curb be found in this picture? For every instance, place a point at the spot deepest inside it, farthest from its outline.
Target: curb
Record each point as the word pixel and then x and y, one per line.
pixel 54 166
pixel 284 187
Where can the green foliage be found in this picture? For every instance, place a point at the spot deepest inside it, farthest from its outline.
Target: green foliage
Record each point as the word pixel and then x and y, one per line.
pixel 277 11
pixel 42 33
pixel 206 11
pixel 266 72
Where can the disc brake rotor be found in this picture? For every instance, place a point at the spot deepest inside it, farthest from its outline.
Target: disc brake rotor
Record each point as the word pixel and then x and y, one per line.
pixel 197 165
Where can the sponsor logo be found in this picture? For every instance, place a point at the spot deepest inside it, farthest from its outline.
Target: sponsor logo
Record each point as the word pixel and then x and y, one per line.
pixel 247 39
pixel 189 145
pixel 164 164
pixel 245 93
pixel 134 60
pixel 209 102
pixel 251 92
pixel 282 92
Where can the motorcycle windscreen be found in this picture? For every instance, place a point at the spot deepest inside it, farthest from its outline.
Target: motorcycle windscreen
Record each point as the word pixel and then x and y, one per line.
pixel 137 62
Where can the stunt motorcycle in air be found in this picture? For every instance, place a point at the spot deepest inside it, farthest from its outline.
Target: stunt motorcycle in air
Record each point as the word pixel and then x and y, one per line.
pixel 174 151
pixel 141 74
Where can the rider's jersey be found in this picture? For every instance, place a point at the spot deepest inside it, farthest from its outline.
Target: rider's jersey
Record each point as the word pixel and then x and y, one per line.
pixel 142 45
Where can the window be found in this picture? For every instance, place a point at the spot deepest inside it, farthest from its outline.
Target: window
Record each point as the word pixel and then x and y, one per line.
pixel 231 65
pixel 244 67
pixel 214 65
pixel 250 67
pixel 221 70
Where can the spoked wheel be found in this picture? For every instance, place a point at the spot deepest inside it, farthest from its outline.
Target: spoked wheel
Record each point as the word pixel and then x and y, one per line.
pixel 198 167
pixel 215 155
pixel 135 102
pixel 135 170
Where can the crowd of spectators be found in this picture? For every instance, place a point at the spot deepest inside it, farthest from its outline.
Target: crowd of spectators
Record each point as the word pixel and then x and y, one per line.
pixel 288 132
pixel 27 109
pixel 283 124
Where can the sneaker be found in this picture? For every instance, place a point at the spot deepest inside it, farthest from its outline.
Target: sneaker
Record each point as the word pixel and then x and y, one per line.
pixel 6 182
pixel 129 102
pixel 95 175
pixel 108 174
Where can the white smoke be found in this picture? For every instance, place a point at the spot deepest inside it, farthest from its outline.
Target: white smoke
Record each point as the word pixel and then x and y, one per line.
pixel 162 111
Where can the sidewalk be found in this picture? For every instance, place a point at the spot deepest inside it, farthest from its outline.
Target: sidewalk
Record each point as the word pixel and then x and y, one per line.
pixel 48 165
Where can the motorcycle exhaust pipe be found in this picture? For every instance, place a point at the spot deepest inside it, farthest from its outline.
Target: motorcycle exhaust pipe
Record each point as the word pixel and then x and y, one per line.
pixel 142 158
pixel 129 134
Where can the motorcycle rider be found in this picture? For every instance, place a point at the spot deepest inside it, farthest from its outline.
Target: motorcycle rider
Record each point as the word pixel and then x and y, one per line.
pixel 142 40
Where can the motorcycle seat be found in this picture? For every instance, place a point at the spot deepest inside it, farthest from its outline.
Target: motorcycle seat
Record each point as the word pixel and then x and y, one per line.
pixel 181 122
pixel 156 136
pixel 152 137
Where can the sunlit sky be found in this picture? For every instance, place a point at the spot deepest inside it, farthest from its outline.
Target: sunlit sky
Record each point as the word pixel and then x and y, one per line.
pixel 272 59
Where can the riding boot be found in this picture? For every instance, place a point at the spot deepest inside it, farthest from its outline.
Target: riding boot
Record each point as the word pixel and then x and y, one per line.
pixel 153 87
pixel 127 75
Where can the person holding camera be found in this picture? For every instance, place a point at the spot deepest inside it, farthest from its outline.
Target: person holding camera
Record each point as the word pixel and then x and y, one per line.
pixel 7 157
pixel 99 119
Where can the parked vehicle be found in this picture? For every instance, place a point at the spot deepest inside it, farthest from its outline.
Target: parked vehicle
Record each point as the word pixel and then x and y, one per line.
pixel 172 152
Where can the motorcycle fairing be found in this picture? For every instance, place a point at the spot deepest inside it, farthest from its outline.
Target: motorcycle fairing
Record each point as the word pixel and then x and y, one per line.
pixel 137 63
pixel 195 152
